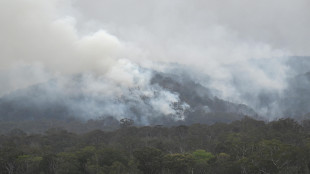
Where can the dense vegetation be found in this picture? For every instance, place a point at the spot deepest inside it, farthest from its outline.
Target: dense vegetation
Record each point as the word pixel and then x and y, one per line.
pixel 245 146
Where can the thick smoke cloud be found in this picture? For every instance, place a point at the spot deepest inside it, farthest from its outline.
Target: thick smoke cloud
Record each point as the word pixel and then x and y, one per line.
pixel 34 36
pixel 38 44
pixel 237 49
pixel 242 46
pixel 225 39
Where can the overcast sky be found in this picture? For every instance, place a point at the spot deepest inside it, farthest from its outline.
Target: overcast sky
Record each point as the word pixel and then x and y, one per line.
pixel 282 24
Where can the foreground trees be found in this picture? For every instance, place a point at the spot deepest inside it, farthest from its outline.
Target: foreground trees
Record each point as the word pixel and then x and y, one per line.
pixel 247 146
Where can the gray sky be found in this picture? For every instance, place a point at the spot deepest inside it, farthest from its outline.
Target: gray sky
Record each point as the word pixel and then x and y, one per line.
pixel 282 24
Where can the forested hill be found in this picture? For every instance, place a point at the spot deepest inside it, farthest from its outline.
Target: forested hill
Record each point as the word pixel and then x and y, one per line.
pixel 245 146
pixel 191 103
pixel 166 98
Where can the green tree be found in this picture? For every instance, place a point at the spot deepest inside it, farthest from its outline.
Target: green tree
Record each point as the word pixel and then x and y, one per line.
pixel 178 163
pixel 28 164
pixel 149 160
pixel 202 160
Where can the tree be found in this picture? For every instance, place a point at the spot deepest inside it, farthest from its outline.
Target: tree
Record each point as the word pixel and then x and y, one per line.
pixel 149 160
pixel 8 159
pixel 179 163
pixel 202 160
pixel 48 163
pixel 126 122
pixel 28 164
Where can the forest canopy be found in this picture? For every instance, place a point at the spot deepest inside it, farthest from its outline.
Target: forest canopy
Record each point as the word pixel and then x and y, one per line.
pixel 244 146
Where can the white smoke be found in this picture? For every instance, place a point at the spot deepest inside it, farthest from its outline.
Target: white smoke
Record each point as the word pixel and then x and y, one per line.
pixel 223 40
pixel 125 91
pixel 32 32
pixel 240 46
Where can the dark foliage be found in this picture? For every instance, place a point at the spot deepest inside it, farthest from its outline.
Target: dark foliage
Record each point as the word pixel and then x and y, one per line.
pixel 245 146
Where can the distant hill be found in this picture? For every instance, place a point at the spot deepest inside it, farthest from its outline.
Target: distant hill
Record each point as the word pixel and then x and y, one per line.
pixel 191 101
pixel 203 106
pixel 49 101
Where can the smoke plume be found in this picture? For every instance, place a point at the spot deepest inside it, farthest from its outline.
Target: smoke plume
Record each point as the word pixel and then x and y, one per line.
pixel 99 58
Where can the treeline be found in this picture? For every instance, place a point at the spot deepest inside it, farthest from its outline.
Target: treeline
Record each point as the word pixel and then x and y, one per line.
pixel 247 146
pixel 109 123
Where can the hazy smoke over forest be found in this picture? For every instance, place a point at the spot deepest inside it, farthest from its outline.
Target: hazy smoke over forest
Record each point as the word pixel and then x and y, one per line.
pixel 100 57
